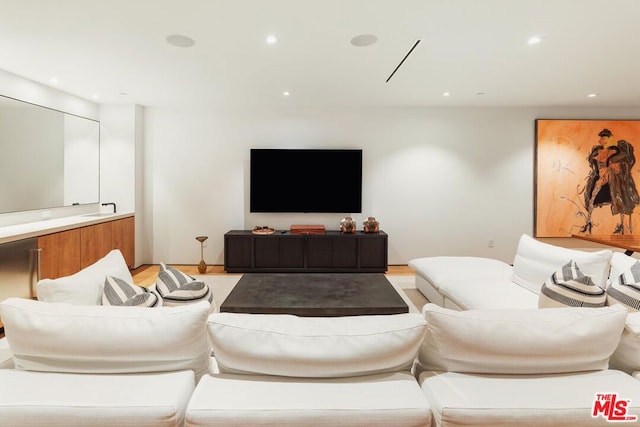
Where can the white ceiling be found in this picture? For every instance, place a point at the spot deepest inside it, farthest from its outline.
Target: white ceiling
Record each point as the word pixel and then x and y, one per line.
pixel 467 47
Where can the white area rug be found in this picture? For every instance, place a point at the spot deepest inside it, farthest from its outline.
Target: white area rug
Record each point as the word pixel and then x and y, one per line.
pixel 405 285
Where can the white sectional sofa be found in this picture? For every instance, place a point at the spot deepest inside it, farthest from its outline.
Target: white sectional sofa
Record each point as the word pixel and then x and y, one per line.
pixel 67 364
pixel 132 366
pixel 464 283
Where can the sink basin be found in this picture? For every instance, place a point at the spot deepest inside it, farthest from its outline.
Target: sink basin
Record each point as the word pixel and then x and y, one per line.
pixel 98 214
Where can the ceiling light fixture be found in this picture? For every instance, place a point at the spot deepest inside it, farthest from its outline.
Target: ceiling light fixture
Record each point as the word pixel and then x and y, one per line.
pixel 271 39
pixel 179 40
pixel 592 95
pixel 286 93
pixel 446 94
pixel 534 40
pixel 364 40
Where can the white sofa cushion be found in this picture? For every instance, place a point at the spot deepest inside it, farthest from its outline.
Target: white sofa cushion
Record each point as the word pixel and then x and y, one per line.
pixel 85 287
pixel 627 354
pixel 488 294
pixel 439 270
pixel 536 341
pixel 565 400
pixel 6 357
pixel 63 400
pixel 59 337
pixel 314 346
pixel 569 287
pixel 392 399
pixel 535 261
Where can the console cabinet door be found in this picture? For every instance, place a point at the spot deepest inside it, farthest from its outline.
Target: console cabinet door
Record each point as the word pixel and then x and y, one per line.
pixel 373 251
pixel 319 252
pixel 266 252
pixel 59 254
pixel 123 233
pixel 292 252
pixel 95 242
pixel 237 252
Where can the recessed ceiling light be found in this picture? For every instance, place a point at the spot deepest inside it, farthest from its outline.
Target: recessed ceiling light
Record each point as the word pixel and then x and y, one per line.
pixel 364 40
pixel 480 93
pixel 592 95
pixel 446 94
pixel 180 41
pixel 124 93
pixel 286 93
pixel 534 40
pixel 271 39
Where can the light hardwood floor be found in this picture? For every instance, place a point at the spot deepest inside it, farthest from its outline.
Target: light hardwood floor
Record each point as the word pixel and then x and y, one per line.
pixel 146 275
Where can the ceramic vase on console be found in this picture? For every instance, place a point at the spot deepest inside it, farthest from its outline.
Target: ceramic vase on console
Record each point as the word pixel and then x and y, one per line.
pixel 347 225
pixel 371 225
pixel 202 266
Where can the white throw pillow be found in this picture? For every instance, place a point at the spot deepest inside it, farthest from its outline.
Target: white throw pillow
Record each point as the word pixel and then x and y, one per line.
pixel 85 287
pixel 619 264
pixel 56 337
pixel 569 287
pixel 536 261
pixel 530 341
pixel 316 347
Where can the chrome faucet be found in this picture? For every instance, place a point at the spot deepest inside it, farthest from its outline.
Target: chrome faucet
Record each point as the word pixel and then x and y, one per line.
pixel 111 203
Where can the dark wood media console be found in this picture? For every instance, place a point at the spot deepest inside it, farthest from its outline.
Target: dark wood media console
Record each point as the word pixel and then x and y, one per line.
pixel 282 252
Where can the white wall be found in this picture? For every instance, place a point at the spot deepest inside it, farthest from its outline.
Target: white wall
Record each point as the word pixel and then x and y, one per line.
pixel 441 181
pixel 121 133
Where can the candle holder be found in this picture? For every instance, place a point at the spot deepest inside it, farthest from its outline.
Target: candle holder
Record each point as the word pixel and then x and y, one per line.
pixel 202 266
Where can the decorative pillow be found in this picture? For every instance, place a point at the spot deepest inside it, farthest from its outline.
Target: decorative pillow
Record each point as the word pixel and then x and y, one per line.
pixel 119 292
pixel 619 264
pixel 626 290
pixel 314 347
pixel 535 261
pixel 56 337
pixel 569 287
pixel 520 341
pixel 85 287
pixel 178 288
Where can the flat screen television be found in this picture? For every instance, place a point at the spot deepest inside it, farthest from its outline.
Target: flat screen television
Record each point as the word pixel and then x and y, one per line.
pixel 306 180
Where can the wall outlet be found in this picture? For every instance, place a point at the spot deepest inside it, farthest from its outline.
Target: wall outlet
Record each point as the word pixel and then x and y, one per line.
pixel 46 214
pixel 491 242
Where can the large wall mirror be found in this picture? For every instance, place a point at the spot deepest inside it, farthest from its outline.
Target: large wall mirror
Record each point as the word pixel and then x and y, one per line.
pixel 48 158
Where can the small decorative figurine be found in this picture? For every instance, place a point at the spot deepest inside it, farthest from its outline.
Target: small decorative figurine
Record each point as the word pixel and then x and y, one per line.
pixel 371 225
pixel 202 266
pixel 347 225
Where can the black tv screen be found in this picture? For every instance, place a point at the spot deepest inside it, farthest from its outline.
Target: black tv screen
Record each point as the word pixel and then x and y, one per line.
pixel 305 180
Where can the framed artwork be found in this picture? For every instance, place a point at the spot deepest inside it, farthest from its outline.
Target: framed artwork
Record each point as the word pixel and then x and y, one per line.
pixel 585 177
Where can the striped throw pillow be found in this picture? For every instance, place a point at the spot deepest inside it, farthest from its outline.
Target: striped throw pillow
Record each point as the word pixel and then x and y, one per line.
pixel 569 287
pixel 119 292
pixel 627 291
pixel 178 288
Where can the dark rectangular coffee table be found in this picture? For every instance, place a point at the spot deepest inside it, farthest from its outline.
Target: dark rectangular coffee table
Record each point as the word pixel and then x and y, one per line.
pixel 314 294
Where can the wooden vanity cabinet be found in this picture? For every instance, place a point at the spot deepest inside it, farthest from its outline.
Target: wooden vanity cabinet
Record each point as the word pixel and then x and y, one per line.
pixel 67 252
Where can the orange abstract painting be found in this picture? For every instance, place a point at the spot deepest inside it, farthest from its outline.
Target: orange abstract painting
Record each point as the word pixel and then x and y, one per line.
pixel 586 177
